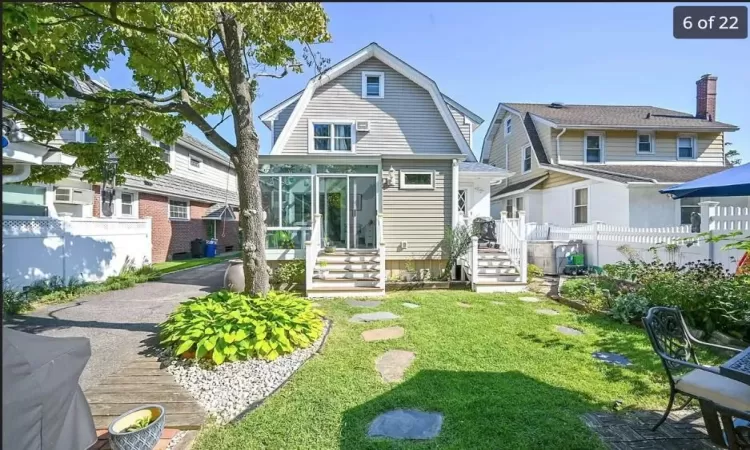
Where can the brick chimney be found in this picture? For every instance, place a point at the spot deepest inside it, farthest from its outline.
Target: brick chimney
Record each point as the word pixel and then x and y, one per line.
pixel 706 97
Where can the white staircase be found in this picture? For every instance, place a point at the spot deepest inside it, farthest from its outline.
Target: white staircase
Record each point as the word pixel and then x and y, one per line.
pixel 344 273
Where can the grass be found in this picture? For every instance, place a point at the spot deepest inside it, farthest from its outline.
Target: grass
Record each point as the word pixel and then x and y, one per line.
pixel 501 375
pixel 173 266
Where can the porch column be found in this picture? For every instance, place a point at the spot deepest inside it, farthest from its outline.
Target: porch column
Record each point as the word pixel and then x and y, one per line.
pixel 454 194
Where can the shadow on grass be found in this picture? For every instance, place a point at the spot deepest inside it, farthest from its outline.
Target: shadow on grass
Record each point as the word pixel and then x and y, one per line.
pixel 480 410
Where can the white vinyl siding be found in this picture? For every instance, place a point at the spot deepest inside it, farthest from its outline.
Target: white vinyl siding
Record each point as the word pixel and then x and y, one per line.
pixel 405 121
pixel 464 123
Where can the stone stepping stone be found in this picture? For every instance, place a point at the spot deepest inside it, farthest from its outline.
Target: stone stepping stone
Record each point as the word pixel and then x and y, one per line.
pixel 410 305
pixel 547 312
pixel 499 303
pixel 463 305
pixel 373 317
pixel 364 303
pixel 406 424
pixel 393 363
pixel 529 299
pixel 612 358
pixel 382 334
pixel 569 331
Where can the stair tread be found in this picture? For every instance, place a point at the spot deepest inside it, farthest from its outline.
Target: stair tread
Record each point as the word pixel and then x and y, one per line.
pixel 343 288
pixel 348 270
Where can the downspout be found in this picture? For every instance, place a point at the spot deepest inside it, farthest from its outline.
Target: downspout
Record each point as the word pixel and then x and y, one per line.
pixel 557 150
pixel 20 173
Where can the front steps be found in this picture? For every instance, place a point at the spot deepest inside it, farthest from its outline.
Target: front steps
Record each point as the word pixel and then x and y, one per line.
pixel 496 273
pixel 350 273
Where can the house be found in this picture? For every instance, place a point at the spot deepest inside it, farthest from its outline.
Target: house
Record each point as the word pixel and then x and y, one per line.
pixel 197 200
pixel 575 164
pixel 371 160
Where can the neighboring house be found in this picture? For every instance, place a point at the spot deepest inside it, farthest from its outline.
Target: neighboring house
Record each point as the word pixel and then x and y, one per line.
pixel 197 199
pixel 372 160
pixel 575 164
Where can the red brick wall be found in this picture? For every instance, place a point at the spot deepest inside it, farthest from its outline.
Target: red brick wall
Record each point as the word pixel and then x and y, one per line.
pixel 97 201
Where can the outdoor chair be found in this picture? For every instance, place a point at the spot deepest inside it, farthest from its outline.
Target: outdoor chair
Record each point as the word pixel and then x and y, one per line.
pixel 484 229
pixel 673 343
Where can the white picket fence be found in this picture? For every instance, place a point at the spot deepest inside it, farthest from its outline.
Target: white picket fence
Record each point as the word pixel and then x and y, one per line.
pixel 91 249
pixel 605 244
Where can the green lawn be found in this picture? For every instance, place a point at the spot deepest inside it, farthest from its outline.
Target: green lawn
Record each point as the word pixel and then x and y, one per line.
pixel 501 375
pixel 173 266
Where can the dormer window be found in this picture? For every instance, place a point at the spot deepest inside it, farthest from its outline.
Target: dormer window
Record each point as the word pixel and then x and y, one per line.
pixel 373 84
pixel 507 126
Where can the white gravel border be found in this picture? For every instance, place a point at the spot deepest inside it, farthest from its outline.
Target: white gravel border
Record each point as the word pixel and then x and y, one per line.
pixel 232 388
pixel 176 440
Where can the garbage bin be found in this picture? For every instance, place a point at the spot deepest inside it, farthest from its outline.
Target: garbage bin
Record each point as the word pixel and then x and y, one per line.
pixel 196 248
pixel 211 248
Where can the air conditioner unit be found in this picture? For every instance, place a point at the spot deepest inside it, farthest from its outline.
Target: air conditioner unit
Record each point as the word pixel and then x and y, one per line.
pixel 74 196
pixel 363 125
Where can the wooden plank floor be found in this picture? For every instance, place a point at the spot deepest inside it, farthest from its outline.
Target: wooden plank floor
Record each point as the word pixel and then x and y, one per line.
pixel 142 382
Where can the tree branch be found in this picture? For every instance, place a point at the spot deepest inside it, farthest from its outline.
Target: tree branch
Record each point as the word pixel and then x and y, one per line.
pixel 272 75
pixel 199 121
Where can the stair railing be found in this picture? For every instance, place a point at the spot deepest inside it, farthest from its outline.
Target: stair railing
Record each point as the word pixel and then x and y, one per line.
pixel 512 242
pixel 312 248
pixel 381 252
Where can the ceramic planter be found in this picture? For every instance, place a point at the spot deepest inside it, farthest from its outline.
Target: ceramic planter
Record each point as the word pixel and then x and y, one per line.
pixel 234 276
pixel 143 439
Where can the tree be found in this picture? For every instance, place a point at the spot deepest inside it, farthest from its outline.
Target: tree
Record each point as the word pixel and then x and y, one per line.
pixel 190 61
pixel 732 155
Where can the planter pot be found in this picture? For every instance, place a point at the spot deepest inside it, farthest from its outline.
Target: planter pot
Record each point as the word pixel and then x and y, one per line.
pixel 234 276
pixel 143 439
pixel 329 250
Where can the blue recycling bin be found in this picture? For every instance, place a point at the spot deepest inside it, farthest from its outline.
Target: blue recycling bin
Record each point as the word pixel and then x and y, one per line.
pixel 210 249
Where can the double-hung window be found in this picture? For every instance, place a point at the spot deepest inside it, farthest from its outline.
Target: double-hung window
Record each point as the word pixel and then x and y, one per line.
pixel 688 206
pixel 593 147
pixel 179 210
pixel 685 146
pixel 526 159
pixel 126 204
pixel 581 205
pixel 337 137
pixel 373 85
pixel 645 143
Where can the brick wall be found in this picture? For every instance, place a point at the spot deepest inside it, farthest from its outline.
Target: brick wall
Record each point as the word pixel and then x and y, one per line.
pixel 97 201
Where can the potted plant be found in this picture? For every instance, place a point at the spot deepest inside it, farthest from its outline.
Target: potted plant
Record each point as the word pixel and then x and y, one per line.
pixel 323 272
pixel 410 270
pixel 328 246
pixel 137 429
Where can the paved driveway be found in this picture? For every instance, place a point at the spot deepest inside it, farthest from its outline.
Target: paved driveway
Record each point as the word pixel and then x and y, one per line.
pixel 120 324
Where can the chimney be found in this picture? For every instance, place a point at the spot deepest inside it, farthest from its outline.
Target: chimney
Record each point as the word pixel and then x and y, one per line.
pixel 706 97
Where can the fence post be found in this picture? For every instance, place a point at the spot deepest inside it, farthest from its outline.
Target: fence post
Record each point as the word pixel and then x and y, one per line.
pixel 474 260
pixel 708 224
pixel 596 241
pixel 148 238
pixel 65 233
pixel 524 251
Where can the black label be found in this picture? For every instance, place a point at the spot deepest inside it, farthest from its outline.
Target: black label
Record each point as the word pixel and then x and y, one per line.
pixel 710 22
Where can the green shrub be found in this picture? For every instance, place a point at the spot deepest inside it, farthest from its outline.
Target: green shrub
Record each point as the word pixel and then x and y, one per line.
pixel 231 326
pixel 628 307
pixel 289 272
pixel 534 271
pixel 14 301
pixel 596 291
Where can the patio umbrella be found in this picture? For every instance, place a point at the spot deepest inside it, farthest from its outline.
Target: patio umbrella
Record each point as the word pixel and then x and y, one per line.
pixel 727 183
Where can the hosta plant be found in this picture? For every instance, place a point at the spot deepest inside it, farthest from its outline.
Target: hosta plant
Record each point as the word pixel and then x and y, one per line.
pixel 227 326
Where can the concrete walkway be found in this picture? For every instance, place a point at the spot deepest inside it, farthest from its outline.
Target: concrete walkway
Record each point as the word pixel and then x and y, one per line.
pixel 121 325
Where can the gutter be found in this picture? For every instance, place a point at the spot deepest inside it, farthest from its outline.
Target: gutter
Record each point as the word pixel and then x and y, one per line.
pixel 20 173
pixel 557 141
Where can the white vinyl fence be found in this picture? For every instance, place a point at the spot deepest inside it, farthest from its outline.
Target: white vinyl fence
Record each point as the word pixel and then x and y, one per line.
pixel 604 243
pixel 91 249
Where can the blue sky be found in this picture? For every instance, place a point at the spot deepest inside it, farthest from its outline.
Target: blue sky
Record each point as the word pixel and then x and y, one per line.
pixel 483 53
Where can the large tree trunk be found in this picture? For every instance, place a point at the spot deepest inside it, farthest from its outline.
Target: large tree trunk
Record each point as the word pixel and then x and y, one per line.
pixel 245 161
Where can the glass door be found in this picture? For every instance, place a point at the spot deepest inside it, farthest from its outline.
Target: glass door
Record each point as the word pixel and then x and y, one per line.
pixel 362 212
pixel 332 204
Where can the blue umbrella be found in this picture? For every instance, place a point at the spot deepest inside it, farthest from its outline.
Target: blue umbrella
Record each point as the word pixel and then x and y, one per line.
pixel 727 183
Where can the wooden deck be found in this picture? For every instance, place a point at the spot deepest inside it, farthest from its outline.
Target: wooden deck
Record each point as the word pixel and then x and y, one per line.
pixel 142 382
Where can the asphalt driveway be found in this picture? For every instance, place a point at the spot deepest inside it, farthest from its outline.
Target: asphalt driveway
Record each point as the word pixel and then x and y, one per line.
pixel 120 324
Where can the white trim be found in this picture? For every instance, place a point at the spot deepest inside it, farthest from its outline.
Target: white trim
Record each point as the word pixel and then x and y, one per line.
pixel 381 82
pixel 523 159
pixel 651 162
pixel 373 50
pixel 133 205
pixel 402 179
pixel 273 131
pixel 507 123
pixel 273 113
pixel 602 137
pixel 587 176
pixel 694 140
pixel 178 199
pixel 478 121
pixel 471 134
pixel 332 137
pixel 519 191
pixel 588 202
pixel 456 178
pixel 652 141
pixel 543 121
pixel 191 156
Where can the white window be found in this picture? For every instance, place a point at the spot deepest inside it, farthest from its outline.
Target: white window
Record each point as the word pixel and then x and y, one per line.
pixel 526 159
pixel 337 137
pixel 126 204
pixel 166 152
pixel 373 84
pixel 644 143
pixel 685 146
pixel 417 179
pixel 593 147
pixel 179 209
pixel 462 201
pixel 688 206
pixel 581 205
pixel 196 163
pixel 507 127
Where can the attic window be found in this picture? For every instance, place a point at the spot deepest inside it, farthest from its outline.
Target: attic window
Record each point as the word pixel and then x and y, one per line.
pixel 373 84
pixel 507 127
